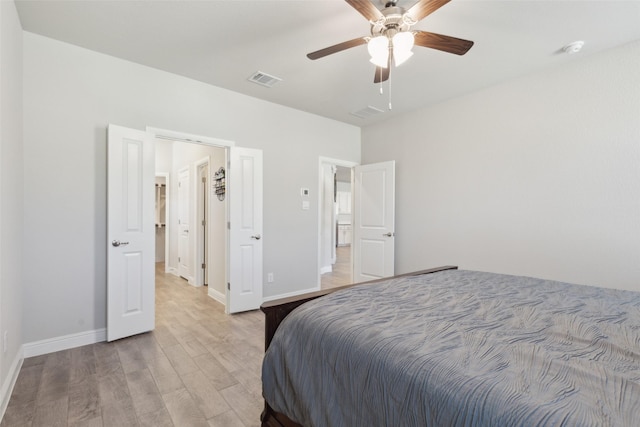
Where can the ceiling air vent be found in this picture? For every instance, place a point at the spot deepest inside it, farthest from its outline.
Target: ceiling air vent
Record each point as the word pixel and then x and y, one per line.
pixel 264 79
pixel 367 112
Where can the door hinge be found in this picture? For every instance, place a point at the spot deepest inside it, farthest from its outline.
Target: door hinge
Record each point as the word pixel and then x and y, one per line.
pixel 204 222
pixel 204 180
pixel 204 265
pixel 178 259
pixel 229 225
pixel 228 286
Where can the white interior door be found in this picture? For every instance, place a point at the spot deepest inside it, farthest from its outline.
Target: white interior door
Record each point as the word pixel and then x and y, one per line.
pixel 130 233
pixel 245 228
pixel 184 258
pixel 374 221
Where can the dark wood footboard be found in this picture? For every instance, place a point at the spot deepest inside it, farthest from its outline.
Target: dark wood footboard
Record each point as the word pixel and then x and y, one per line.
pixel 275 311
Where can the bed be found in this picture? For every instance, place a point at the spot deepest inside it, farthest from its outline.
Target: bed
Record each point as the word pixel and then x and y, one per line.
pixel 448 347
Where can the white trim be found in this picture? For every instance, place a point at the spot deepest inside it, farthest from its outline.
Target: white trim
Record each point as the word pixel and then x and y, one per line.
pixel 291 294
pixel 198 277
pixel 10 381
pixel 218 296
pixel 65 342
pixel 172 270
pixel 188 137
pixel 326 268
pixel 337 162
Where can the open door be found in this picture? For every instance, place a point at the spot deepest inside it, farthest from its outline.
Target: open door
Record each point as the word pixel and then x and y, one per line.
pixel 245 228
pixel 130 233
pixel 374 221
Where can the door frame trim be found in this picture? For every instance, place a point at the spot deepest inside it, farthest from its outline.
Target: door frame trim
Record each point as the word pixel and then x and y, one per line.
pixel 322 160
pixel 200 237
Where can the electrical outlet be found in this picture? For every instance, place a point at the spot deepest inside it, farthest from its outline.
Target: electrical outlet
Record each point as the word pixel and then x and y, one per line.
pixel 269 277
pixel 5 341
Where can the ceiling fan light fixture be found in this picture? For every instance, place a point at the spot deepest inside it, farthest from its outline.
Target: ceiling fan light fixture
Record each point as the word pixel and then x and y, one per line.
pixel 378 48
pixel 403 41
pixel 402 44
pixel 401 57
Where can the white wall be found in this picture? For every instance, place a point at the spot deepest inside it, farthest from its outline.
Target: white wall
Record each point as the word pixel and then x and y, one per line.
pixel 70 95
pixel 11 202
pixel 539 176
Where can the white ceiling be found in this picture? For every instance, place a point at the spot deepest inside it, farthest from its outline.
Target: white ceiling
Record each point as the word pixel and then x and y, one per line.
pixel 225 42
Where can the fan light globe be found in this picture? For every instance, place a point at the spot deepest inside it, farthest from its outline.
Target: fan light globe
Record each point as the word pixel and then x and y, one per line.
pixel 378 48
pixel 402 45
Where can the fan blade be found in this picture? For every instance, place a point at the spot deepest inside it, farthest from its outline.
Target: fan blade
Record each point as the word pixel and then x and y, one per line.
pixel 382 74
pixel 425 8
pixel 444 43
pixel 337 48
pixel 366 9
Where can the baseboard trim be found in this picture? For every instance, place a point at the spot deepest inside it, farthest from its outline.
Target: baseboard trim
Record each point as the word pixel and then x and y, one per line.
pixel 10 381
pixel 218 296
pixel 290 294
pixel 65 342
pixel 326 269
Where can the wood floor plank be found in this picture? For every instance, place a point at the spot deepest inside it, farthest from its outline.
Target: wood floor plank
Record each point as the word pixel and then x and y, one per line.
pixel 25 390
pixel 119 413
pixel 228 419
pixel 160 418
pixel 144 393
pixel 244 404
pixel 166 378
pixel 112 387
pixel 205 395
pixel 183 410
pixel 18 415
pixel 149 347
pixel 84 399
pixel 180 359
pixel 53 413
pixel 219 376
pixel 54 383
pixel 94 422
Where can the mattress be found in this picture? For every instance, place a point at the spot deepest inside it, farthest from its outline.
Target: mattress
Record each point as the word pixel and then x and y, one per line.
pixel 459 348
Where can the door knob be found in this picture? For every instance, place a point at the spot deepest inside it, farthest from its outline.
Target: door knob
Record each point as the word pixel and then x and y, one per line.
pixel 257 237
pixel 389 234
pixel 117 243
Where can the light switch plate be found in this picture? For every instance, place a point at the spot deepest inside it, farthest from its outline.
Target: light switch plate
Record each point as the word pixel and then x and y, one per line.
pixel 305 205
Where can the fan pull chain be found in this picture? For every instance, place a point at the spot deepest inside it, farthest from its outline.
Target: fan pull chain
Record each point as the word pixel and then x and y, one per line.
pixel 389 93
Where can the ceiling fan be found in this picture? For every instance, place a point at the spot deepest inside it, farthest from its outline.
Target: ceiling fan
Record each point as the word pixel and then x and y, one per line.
pixel 391 36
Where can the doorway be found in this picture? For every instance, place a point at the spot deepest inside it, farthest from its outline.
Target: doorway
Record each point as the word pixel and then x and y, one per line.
pixel 196 244
pixel 335 230
pixel 225 254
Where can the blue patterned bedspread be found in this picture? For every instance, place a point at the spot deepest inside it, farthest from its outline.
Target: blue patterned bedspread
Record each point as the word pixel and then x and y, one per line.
pixel 459 348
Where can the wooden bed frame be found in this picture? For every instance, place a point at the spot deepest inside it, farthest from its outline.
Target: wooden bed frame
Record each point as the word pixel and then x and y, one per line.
pixel 275 311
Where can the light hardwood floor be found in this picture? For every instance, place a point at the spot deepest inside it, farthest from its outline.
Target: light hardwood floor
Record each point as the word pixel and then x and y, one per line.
pixel 199 367
pixel 341 270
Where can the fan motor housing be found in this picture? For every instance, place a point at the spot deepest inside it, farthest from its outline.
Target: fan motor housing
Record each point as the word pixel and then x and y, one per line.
pixel 394 20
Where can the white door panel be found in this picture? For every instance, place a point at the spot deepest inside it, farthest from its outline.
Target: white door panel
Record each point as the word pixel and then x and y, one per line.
pixel 130 233
pixel 374 221
pixel 245 228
